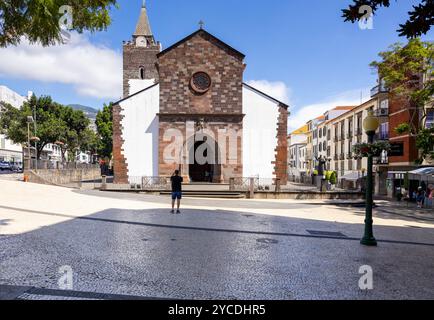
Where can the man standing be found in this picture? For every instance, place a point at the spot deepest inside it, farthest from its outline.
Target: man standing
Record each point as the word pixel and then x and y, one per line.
pixel 176 191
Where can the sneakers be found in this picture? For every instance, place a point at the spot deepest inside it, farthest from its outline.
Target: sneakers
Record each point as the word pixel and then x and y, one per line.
pixel 172 212
pixel 178 212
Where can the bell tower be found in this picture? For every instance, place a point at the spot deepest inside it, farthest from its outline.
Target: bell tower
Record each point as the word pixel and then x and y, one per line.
pixel 140 57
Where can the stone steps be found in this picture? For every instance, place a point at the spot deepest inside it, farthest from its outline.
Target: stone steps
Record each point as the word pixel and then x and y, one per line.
pixel 209 194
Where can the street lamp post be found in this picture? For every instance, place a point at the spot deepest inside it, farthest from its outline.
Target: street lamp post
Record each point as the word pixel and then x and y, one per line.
pixel 35 140
pixel 370 125
pixel 29 155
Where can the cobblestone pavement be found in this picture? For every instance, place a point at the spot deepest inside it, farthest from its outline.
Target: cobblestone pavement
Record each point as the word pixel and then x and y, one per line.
pixel 129 245
pixel 7 175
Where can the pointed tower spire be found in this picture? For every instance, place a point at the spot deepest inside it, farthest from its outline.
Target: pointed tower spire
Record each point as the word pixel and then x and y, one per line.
pixel 143 28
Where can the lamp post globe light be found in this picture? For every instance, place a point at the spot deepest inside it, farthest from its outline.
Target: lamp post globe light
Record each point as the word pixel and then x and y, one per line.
pixel 370 125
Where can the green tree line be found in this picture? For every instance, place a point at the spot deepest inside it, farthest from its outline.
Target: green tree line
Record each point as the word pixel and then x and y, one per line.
pixel 57 124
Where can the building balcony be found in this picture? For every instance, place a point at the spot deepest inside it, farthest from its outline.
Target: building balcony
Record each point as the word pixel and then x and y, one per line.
pixel 382 112
pixel 384 136
pixel 336 139
pixel 349 135
pixel 350 156
pixel 342 156
pixel 378 90
pixel 381 161
pixel 336 157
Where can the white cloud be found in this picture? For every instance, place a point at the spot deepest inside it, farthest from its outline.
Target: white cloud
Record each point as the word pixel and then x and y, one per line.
pixel 92 70
pixel 278 90
pixel 301 115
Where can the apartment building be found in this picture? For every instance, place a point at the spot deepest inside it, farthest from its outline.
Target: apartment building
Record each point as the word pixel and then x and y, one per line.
pixel 9 151
pixel 315 142
pixel 322 136
pixel 347 130
pixel 297 152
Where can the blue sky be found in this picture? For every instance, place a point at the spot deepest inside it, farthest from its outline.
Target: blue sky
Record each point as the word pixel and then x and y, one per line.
pixel 299 50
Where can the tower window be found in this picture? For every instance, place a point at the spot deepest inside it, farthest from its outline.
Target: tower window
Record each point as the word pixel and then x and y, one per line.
pixel 142 73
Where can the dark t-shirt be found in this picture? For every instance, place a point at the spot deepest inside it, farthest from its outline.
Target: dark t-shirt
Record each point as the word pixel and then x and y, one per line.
pixel 176 183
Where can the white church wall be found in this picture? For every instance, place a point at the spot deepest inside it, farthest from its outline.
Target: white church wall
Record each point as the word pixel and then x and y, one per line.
pixel 137 85
pixel 259 134
pixel 140 132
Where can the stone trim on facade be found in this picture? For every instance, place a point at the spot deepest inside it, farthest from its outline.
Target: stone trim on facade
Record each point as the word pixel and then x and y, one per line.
pixel 120 165
pixel 281 163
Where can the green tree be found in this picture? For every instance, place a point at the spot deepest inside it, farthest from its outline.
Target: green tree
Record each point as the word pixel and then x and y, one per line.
pixel 419 22
pixel 104 123
pixel 11 123
pixel 90 142
pixel 39 20
pixel 75 136
pixel 407 70
pixel 54 123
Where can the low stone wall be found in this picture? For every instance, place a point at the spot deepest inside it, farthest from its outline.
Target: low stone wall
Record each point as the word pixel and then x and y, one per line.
pixel 62 176
pixel 309 195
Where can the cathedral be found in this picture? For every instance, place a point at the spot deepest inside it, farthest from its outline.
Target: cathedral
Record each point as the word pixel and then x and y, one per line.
pixel 187 108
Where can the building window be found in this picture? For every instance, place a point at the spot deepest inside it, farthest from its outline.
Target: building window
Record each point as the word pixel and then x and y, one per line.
pixel 384 104
pixel 2 143
pixel 142 73
pixel 430 119
pixel 384 131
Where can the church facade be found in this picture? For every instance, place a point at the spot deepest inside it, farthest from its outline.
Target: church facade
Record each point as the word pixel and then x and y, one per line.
pixel 187 108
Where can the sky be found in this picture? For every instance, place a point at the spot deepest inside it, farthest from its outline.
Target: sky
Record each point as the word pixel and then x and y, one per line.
pixel 299 51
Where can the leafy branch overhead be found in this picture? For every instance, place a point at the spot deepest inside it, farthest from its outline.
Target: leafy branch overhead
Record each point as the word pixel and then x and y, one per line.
pixel 39 20
pixel 419 22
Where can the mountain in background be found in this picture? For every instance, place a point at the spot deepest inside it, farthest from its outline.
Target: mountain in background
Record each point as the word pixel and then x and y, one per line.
pixel 88 111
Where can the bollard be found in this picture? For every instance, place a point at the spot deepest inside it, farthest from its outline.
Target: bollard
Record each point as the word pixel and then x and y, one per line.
pixel 278 188
pixel 231 184
pixel 104 183
pixel 252 188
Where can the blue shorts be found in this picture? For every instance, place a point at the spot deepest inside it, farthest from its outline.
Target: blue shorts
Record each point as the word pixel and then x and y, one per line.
pixel 176 195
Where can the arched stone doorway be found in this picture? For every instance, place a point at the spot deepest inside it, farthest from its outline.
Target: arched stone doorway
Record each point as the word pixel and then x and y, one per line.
pixel 204 161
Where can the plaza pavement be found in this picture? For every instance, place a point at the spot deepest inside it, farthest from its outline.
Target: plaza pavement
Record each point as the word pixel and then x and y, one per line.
pixel 129 245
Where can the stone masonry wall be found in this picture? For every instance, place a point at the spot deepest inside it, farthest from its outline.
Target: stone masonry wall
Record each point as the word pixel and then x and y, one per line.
pixel 281 163
pixel 136 57
pixel 221 104
pixel 119 161
pixel 201 53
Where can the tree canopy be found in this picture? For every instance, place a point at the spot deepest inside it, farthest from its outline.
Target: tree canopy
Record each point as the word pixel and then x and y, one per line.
pixel 40 21
pixel 419 22
pixel 104 123
pixel 54 123
pixel 407 71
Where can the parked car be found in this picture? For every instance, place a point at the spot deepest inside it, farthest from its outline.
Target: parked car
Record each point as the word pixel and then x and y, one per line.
pixel 5 166
pixel 17 167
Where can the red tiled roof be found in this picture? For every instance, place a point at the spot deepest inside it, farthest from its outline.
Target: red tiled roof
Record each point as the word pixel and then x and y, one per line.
pixel 345 108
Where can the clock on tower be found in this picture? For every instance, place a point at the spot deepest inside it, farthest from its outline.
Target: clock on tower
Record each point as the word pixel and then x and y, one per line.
pixel 141 41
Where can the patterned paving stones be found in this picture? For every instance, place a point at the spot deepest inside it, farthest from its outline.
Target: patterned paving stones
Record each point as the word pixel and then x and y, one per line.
pixel 131 245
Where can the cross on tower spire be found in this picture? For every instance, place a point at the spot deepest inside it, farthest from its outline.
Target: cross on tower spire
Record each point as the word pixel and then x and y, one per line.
pixel 201 24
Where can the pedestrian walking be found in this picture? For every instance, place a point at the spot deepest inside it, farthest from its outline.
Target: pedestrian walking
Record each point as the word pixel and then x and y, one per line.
pixel 429 196
pixel 176 181
pixel 420 197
